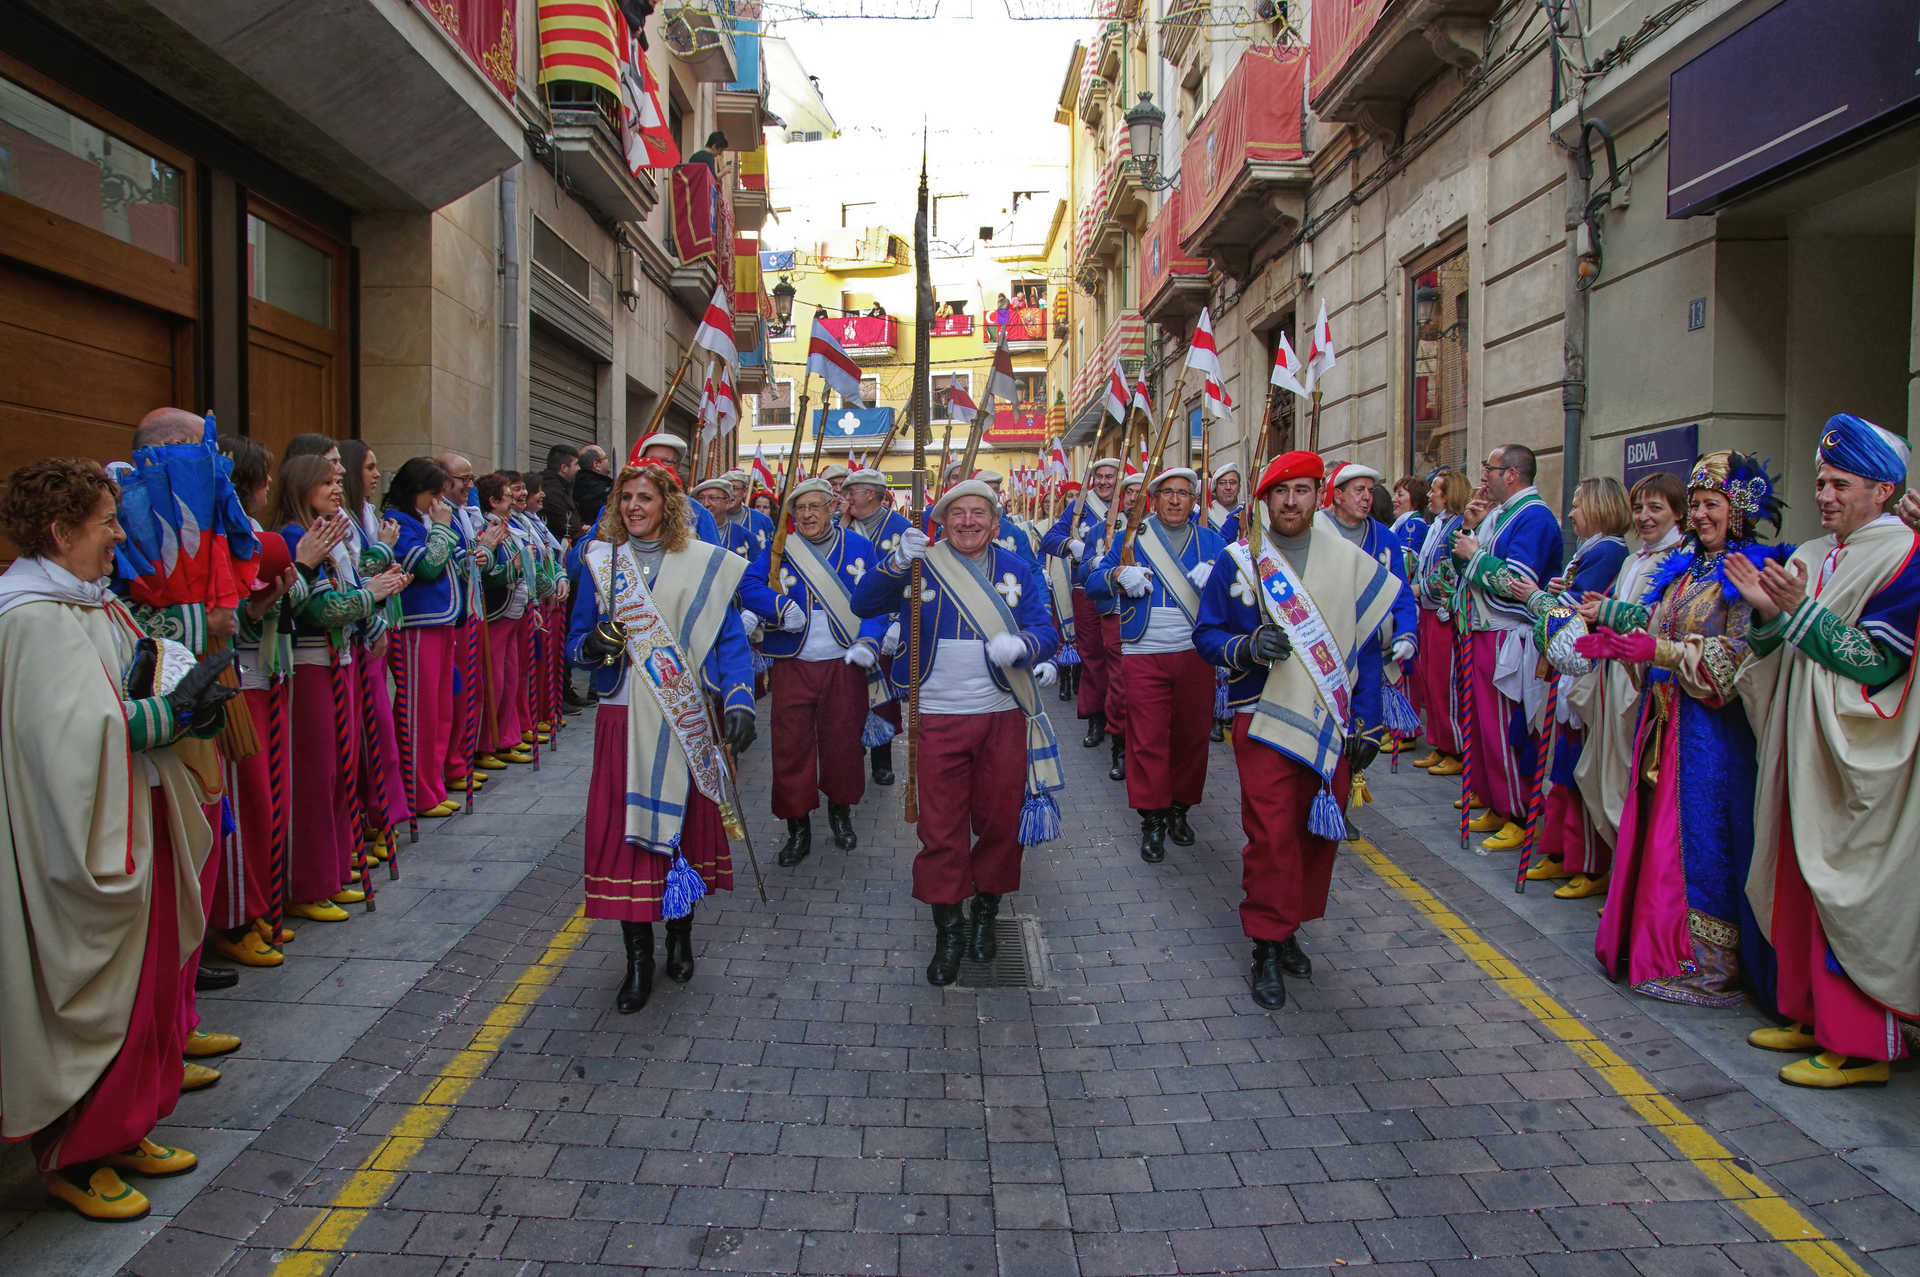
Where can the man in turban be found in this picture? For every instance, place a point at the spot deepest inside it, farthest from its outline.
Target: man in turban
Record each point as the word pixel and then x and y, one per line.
pixel 1836 844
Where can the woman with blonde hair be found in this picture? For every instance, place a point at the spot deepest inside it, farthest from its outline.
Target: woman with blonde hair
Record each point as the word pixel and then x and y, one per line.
pixel 1436 585
pixel 655 623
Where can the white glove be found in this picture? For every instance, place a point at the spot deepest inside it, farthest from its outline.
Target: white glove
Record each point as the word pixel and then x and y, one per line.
pixel 1134 579
pixel 1046 673
pixel 1402 649
pixel 862 655
pixel 1077 548
pixel 750 622
pixel 1006 649
pixel 793 620
pixel 1199 574
pixel 891 643
pixel 913 545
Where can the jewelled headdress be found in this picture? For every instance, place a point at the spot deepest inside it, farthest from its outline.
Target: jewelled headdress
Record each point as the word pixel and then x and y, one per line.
pixel 1743 479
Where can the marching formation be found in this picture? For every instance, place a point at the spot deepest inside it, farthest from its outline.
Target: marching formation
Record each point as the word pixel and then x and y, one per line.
pixel 260 669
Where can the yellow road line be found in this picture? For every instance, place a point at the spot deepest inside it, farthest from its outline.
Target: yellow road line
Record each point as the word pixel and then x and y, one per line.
pixel 379 1172
pixel 1692 1141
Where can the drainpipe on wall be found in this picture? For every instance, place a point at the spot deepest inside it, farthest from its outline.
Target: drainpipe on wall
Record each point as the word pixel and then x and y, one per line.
pixel 1573 392
pixel 508 441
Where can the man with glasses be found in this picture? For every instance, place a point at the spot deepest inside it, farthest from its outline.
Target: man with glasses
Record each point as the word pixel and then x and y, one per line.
pixel 869 511
pixel 825 668
pixel 1347 510
pixel 1509 536
pixel 1168 686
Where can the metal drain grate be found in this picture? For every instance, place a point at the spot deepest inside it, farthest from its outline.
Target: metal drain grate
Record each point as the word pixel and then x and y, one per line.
pixel 1018 962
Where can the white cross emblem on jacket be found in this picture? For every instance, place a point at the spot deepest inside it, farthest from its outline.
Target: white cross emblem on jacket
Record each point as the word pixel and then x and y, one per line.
pixel 1008 587
pixel 857 569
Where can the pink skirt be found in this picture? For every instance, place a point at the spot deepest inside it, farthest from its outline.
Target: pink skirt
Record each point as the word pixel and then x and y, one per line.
pixel 1436 697
pixel 624 882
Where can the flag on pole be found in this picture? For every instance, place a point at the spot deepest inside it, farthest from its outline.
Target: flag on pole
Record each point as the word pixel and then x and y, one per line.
pixel 1203 356
pixel 1320 353
pixel 760 471
pixel 826 357
pixel 577 43
pixel 960 405
pixel 1216 402
pixel 1286 368
pixel 1141 399
pixel 716 328
pixel 1057 459
pixel 1000 384
pixel 726 399
pixel 643 127
pixel 709 416
pixel 1117 392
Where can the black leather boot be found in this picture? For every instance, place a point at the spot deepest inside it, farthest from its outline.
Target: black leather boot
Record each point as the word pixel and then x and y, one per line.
pixel 680 949
pixel 205 978
pixel 1153 836
pixel 1177 827
pixel 949 944
pixel 799 842
pixel 840 821
pixel 881 758
pixel 1119 769
pixel 1219 731
pixel 982 942
pixel 1067 687
pixel 1096 730
pixel 638 986
pixel 1293 960
pixel 1268 985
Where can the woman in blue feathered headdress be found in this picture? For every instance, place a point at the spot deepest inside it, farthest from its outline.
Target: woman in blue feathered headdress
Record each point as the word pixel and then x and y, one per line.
pixel 1676 913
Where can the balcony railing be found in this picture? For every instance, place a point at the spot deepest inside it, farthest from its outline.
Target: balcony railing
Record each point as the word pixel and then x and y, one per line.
pixel 1018 323
pixel 867 336
pixel 1244 161
pixel 953 326
pixel 1173 285
pixel 1021 423
pixel 1370 58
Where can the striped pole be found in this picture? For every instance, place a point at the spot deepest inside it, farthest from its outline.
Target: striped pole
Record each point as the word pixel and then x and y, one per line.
pixel 400 648
pixel 347 750
pixel 469 726
pixel 1536 807
pixel 369 760
pixel 1463 693
pixel 279 776
pixel 530 662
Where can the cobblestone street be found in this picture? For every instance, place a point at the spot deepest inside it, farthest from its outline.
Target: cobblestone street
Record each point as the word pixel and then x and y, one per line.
pixel 443 1086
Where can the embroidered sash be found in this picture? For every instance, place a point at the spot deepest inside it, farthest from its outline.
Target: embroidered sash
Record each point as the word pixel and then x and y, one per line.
pixel 827 589
pixel 1167 567
pixel 670 737
pixel 987 612
pixel 1282 597
pixel 1060 585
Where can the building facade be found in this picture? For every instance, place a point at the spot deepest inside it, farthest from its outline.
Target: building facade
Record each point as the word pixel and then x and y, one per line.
pixel 371 219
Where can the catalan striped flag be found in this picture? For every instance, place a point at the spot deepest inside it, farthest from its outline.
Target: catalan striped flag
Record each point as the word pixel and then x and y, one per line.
pixel 578 42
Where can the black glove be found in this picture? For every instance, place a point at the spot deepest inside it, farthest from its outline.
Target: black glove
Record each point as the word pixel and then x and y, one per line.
pixel 1361 751
pixel 738 731
pixel 197 698
pixel 146 660
pixel 1270 644
pixel 604 642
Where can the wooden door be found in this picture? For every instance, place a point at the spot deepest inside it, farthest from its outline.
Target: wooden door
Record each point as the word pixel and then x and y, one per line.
pixel 299 370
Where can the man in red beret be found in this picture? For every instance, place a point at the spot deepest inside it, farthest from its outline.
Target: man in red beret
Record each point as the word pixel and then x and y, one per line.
pixel 1291 614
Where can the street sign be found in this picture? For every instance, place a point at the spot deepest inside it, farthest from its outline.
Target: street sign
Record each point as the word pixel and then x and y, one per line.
pixel 1673 450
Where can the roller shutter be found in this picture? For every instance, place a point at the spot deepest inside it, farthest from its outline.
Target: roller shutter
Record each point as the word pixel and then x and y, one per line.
pixel 560 407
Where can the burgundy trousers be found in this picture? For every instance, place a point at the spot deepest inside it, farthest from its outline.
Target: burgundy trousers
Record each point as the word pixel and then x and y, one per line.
pixel 1169 699
pixel 1285 871
pixel 1116 705
pixel 819 708
pixel 972 780
pixel 1089 643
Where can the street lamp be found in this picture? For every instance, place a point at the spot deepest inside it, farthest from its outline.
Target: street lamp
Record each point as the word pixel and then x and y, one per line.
pixel 783 301
pixel 1146 128
pixel 1426 308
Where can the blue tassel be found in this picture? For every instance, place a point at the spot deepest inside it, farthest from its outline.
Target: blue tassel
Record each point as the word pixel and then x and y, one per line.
pixel 227 823
pixel 1398 711
pixel 761 661
pixel 1221 710
pixel 877 732
pixel 1324 818
pixel 1039 820
pixel 1067 656
pixel 683 890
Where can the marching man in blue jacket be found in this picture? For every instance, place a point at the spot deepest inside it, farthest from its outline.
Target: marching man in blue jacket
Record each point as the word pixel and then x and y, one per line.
pixel 868 510
pixel 1292 613
pixel 988 763
pixel 1168 686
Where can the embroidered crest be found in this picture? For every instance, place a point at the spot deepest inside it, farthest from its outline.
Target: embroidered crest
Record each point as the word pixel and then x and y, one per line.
pixel 1008 587
pixel 857 570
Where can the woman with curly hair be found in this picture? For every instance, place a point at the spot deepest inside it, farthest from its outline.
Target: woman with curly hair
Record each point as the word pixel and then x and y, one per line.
pixel 1676 915
pixel 104 838
pixel 654 621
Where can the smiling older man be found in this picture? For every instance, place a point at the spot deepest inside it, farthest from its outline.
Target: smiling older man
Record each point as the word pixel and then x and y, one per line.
pixel 988 764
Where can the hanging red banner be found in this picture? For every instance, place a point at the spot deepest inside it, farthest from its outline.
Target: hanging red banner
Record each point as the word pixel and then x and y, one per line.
pixel 484 31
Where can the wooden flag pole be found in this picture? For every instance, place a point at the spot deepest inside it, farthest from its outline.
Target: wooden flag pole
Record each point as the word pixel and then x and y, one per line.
pixel 922 412
pixel 1155 464
pixel 778 551
pixel 666 396
pixel 1313 422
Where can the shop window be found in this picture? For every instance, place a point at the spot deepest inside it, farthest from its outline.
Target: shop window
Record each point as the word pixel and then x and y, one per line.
pixel 54 160
pixel 1438 388
pixel 1032 387
pixel 288 273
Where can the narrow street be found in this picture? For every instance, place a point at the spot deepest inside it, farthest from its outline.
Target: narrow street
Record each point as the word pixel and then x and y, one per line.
pixel 443 1087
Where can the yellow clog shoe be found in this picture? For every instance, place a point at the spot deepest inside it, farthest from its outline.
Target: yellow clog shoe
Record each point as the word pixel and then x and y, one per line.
pixel 489 763
pixel 152 1159
pixel 197 1077
pixel 249 949
pixel 1547 870
pixel 1486 822
pixel 1473 800
pixel 1509 838
pixel 103 1196
pixel 201 1045
pixel 1830 1070
pixel 1433 756
pixel 1447 766
pixel 318 911
pixel 348 896
pixel 1786 1037
pixel 1581 887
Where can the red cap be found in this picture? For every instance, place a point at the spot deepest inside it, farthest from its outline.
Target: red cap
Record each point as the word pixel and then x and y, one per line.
pixel 1071 485
pixel 272 560
pixel 1290 465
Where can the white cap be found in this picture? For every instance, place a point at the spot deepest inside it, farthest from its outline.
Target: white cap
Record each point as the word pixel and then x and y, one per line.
pixel 737 475
pixel 833 472
pixel 989 476
pixel 1104 461
pixel 661 439
pixel 1232 467
pixel 716 484
pixel 1177 472
pixel 1128 480
pixel 810 485
pixel 969 488
pixel 1347 472
pixel 868 475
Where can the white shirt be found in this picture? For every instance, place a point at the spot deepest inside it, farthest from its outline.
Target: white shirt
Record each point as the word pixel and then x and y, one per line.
pixel 960 682
pixel 820 644
pixel 1168 630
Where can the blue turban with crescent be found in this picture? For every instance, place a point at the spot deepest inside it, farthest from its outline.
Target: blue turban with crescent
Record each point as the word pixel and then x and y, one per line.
pixel 1859 447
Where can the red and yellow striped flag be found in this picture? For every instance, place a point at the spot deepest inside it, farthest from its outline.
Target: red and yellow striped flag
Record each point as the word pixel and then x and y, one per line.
pixel 577 43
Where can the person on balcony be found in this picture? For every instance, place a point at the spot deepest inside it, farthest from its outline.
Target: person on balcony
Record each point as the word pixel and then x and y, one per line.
pixel 710 154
